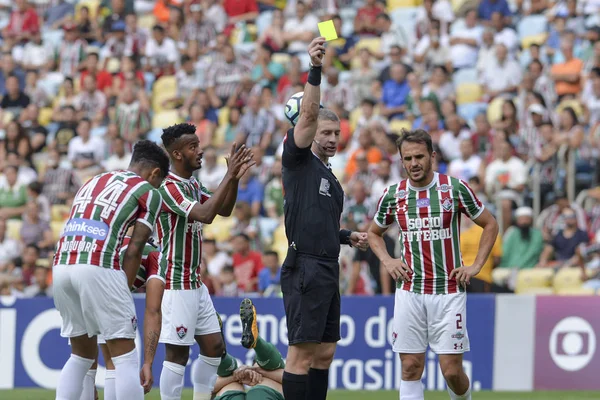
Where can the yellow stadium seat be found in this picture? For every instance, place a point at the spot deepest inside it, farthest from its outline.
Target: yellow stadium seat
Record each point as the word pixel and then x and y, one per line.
pixel 354 117
pixel 280 243
pixel 576 291
pixel 373 44
pixel 534 278
pixel 501 275
pixel 59 213
pixel 537 290
pixel 457 4
pixel 468 93
pixel 57 228
pixel 165 88
pixel 494 111
pixel 45 116
pixel 538 39
pixel 13 228
pixel 92 5
pixel 164 119
pixel 397 125
pixel 7 117
pixel 146 21
pixel 223 117
pixel 574 104
pixel 393 4
pixel 281 58
pixel 219 230
pixel 567 278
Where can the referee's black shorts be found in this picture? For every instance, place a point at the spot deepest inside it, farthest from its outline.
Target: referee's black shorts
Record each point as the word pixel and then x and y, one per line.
pixel 311 298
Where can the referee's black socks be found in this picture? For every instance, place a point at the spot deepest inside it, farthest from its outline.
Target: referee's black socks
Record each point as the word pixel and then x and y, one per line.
pixel 318 381
pixel 294 386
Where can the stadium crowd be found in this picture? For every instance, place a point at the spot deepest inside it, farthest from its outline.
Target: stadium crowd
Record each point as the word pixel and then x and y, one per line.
pixel 509 91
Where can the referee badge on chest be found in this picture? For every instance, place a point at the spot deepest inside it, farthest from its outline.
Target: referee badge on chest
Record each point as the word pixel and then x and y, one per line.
pixel 324 188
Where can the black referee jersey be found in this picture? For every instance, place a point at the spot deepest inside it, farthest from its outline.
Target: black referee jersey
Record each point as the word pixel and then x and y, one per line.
pixel 313 202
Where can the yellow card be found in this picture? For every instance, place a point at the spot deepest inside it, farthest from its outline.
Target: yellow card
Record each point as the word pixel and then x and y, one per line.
pixel 327 30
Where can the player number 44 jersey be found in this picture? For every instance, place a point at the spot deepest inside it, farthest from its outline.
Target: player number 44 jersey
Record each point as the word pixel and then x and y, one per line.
pixel 103 209
pixel 429 221
pixel 181 238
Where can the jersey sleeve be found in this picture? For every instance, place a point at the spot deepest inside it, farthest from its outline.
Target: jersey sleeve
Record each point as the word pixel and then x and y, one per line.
pixel 149 208
pixel 293 156
pixel 152 264
pixel 175 200
pixel 468 202
pixel 205 194
pixel 385 207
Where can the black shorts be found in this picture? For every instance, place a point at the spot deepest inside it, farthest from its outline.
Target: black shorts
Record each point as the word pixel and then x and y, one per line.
pixel 311 297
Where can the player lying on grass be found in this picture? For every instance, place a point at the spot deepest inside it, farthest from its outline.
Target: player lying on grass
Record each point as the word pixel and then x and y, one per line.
pixel 265 377
pixel 148 277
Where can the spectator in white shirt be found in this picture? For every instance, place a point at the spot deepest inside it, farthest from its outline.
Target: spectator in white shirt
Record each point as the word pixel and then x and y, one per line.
pixel 487 52
pixel 451 139
pixel 86 152
pixel 467 166
pixel 91 103
pixel 502 76
pixel 161 52
pixel 9 248
pixel 36 54
pixel 120 158
pixel 211 172
pixel 299 31
pixel 383 180
pixel 465 42
pixel 504 35
pixel 392 35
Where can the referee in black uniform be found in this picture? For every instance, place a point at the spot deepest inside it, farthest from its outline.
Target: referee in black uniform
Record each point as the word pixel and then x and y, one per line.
pixel 313 203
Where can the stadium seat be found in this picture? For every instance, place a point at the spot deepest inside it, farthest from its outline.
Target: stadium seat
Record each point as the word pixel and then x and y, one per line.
pixel 57 228
pixel 471 110
pixel 534 278
pixel 405 17
pixel 576 291
pixel 567 278
pixel 501 275
pixel 494 111
pixel 354 117
pixel 538 39
pixel 281 58
pixel 92 5
pixel 59 213
pixel 7 116
pixel 532 25
pixel 164 88
pixel 45 116
pixel 465 75
pixel 146 21
pixel 372 44
pixel 396 125
pixel 395 4
pixel 223 117
pixel 164 119
pixel 219 230
pixel 113 65
pixel 457 4
pixel 13 228
pixel 537 291
pixel 468 93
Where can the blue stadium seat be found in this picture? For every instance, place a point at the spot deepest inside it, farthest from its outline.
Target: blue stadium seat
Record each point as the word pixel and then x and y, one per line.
pixel 406 17
pixel 532 25
pixel 466 75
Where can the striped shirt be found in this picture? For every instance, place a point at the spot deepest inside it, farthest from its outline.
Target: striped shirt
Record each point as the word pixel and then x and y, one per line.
pixel 132 120
pixel 57 181
pixel 429 221
pixel 225 77
pixel 180 238
pixel 69 56
pixel 149 268
pixel 103 209
pixel 204 33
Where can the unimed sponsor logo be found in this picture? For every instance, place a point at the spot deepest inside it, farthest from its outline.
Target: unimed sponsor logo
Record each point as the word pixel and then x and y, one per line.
pixel 97 230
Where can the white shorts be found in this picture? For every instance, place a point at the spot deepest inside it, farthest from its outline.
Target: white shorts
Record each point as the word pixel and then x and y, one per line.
pixel 186 314
pixel 94 300
pixel 100 339
pixel 437 320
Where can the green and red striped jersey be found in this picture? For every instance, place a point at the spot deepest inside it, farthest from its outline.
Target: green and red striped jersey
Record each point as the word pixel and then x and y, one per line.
pixel 103 209
pixel 181 238
pixel 149 268
pixel 429 221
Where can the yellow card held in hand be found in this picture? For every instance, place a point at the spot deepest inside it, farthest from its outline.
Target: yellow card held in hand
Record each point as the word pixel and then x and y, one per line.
pixel 327 30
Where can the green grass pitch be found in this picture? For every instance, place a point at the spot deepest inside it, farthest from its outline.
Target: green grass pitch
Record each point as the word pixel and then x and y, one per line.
pixel 35 394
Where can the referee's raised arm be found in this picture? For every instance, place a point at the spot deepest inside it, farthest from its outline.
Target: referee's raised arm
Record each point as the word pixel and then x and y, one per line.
pixel 306 127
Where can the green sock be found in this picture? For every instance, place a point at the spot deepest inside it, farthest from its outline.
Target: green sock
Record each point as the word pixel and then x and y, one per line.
pixel 267 356
pixel 227 366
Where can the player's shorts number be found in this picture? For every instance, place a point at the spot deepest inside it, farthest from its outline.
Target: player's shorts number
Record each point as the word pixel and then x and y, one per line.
pixel 458 321
pixel 107 199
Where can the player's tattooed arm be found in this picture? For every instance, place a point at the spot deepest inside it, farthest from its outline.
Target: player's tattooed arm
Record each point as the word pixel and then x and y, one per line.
pixel 152 325
pixel 133 254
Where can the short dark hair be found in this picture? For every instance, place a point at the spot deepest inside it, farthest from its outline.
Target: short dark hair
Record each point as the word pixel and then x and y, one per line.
pixel 33 246
pixel 92 54
pixel 35 187
pixel 244 236
pixel 271 253
pixel 173 133
pixel 228 269
pixel 475 180
pixel 148 154
pixel 158 28
pixel 416 136
pixel 86 120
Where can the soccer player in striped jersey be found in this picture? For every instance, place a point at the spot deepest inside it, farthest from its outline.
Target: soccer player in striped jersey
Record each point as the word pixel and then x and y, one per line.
pixel 430 305
pixel 188 313
pixel 147 276
pixel 91 286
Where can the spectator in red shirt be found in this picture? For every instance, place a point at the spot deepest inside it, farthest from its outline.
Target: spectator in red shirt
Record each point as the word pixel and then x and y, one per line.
pixel 246 263
pixel 103 78
pixel 364 22
pixel 240 10
pixel 23 24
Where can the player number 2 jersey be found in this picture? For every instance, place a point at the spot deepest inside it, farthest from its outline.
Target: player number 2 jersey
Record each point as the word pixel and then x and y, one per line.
pixel 103 209
pixel 181 238
pixel 429 220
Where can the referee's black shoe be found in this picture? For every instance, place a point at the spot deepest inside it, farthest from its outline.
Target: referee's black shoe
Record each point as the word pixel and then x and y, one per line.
pixel 250 327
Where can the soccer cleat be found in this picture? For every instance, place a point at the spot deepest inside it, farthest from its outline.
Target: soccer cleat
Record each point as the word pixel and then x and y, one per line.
pixel 249 325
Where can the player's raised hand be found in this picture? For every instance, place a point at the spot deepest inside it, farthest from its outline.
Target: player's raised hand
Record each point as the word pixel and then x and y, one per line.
pixel 316 51
pixel 359 240
pixel 398 269
pixel 238 162
pixel 463 275
pixel 146 377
